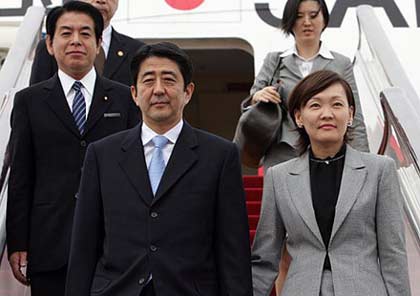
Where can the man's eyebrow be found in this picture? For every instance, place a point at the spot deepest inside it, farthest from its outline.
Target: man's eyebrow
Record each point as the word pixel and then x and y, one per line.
pixel 151 72
pixel 67 27
pixel 87 28
pixel 169 72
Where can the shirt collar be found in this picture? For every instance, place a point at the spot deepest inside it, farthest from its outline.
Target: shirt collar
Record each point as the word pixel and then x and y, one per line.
pixel 323 51
pixel 288 52
pixel 88 81
pixel 147 134
pixel 340 153
pixel 106 37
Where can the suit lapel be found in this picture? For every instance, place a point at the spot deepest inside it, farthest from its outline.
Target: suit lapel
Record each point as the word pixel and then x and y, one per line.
pixel 133 164
pixel 290 64
pixel 298 182
pixel 116 55
pixel 56 100
pixel 183 157
pixel 320 63
pixel 100 103
pixel 354 176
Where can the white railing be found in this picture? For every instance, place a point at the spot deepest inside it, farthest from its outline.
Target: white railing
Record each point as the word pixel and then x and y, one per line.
pixel 391 105
pixel 14 75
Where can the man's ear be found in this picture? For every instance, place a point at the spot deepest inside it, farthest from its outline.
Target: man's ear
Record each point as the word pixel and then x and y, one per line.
pixel 134 94
pixel 99 44
pixel 189 90
pixel 48 42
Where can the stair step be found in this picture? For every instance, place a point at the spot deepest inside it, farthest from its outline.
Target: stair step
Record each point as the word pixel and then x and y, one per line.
pixel 253 189
pixel 253 221
pixel 253 207
pixel 253 181
pixel 251 235
pixel 253 194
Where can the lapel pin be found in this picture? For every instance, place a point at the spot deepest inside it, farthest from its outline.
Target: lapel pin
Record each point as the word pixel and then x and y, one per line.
pixel 105 98
pixel 120 53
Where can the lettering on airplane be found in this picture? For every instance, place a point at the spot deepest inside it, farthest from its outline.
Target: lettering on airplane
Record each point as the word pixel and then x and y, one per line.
pixel 263 10
pixel 340 8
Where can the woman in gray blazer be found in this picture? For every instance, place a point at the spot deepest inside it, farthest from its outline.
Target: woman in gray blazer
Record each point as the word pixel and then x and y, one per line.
pixel 305 20
pixel 340 209
pixel 281 71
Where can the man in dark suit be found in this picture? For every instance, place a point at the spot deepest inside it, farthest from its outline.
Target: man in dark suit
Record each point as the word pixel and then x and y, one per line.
pixel 52 124
pixel 117 48
pixel 161 209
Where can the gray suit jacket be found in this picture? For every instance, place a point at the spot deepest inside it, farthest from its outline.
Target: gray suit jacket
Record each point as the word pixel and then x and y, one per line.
pixel 289 74
pixel 367 244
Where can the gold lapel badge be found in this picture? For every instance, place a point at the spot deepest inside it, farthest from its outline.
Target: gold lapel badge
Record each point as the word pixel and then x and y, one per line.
pixel 120 53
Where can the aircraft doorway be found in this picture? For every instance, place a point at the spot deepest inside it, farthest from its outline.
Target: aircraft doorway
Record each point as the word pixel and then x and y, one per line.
pixel 223 78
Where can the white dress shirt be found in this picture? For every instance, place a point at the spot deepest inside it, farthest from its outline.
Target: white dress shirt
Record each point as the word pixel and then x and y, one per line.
pixel 88 86
pixel 106 39
pixel 147 134
pixel 305 65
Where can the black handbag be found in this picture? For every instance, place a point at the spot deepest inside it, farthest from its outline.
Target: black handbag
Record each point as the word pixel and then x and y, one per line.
pixel 258 128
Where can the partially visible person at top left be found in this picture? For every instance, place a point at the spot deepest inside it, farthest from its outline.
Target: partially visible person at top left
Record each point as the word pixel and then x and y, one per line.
pixel 53 122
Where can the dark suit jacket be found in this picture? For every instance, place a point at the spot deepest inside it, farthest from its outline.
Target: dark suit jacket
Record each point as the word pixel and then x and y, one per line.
pixel 117 64
pixel 192 236
pixel 47 156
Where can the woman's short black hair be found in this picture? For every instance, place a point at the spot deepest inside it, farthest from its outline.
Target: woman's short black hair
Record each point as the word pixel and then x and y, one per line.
pixel 165 50
pixel 78 7
pixel 291 10
pixel 307 88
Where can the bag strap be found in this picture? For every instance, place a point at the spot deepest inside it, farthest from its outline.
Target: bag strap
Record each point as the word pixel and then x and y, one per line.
pixel 279 60
pixel 276 68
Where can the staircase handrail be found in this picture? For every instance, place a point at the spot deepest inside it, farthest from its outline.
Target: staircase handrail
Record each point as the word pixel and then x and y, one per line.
pixel 11 73
pixel 401 123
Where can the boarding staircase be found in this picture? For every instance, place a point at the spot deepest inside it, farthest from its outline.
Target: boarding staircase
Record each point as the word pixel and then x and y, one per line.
pixel 253 189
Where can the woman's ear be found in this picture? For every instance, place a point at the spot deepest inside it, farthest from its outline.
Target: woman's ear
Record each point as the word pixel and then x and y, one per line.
pixel 351 113
pixel 298 119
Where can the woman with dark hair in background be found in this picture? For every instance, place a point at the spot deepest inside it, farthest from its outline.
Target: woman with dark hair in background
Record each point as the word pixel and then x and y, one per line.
pixel 281 71
pixel 341 209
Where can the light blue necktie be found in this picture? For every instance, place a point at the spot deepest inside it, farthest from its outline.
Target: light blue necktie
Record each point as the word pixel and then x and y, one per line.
pixel 79 107
pixel 157 164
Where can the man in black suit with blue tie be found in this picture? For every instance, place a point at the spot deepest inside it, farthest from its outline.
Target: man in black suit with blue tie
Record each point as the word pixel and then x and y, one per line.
pixel 52 124
pixel 113 60
pixel 161 208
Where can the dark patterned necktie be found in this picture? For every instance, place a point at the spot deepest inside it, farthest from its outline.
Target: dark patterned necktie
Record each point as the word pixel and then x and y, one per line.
pixel 79 107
